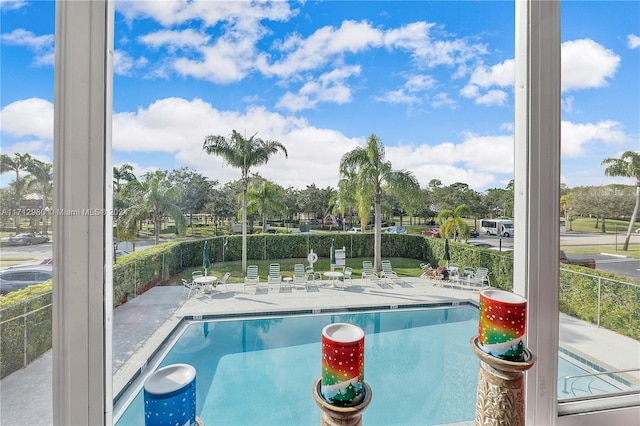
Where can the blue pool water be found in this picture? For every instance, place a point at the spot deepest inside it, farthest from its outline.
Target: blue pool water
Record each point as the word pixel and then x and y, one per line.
pixel 417 361
pixel 260 371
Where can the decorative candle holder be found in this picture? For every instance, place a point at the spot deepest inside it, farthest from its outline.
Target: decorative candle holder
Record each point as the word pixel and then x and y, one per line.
pixel 502 325
pixel 342 364
pixel 500 392
pixel 332 415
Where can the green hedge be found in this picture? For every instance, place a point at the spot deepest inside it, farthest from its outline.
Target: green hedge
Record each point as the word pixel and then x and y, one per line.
pixel 25 327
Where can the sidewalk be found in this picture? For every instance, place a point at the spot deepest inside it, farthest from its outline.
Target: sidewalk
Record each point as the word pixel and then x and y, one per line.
pixel 143 323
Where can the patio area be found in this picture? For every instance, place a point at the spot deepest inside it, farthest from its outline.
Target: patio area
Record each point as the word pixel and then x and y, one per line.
pixel 143 324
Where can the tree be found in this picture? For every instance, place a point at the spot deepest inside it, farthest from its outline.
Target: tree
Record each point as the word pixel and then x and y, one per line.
pixel 452 222
pixel 368 170
pixel 157 201
pixel 17 164
pixel 628 165
pixel 243 154
pixel 41 178
pixel 122 173
pixel 265 198
pixel 195 188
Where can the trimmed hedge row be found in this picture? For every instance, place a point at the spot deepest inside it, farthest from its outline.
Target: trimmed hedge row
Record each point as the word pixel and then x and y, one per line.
pixel 25 328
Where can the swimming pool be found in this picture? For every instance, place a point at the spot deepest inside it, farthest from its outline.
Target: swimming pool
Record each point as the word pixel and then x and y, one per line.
pixel 260 371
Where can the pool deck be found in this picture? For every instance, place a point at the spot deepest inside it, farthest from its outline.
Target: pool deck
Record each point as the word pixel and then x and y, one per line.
pixel 144 323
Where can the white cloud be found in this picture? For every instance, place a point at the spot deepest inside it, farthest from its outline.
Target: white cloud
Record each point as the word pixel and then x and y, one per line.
pixel 586 64
pixel 566 103
pixel 28 117
pixel 174 40
pixel 408 94
pixel 399 96
pixel 175 12
pixel 443 100
pixel 324 45
pixel 7 5
pixel 123 64
pixel 575 136
pixel 492 97
pixel 328 88
pixel 179 127
pixel 633 41
pixel 42 46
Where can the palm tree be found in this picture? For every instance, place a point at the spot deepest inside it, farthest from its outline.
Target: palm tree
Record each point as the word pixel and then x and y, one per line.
pixel 157 201
pixel 265 198
pixel 628 165
pixel 122 173
pixel 17 164
pixel 41 177
pixel 452 223
pixel 367 169
pixel 243 154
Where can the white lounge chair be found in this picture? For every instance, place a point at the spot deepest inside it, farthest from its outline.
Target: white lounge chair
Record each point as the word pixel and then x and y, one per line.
pixel 299 276
pixel 369 275
pixel 252 279
pixel 275 277
pixel 391 275
pixel 223 281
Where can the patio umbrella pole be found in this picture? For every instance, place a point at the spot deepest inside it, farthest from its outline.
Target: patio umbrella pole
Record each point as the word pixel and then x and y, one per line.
pixel 500 394
pixel 332 415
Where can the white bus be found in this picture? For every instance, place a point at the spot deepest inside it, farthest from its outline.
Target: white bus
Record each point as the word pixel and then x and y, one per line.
pixel 500 227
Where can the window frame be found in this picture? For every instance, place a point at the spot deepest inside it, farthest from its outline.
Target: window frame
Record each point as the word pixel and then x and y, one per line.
pixel 82 379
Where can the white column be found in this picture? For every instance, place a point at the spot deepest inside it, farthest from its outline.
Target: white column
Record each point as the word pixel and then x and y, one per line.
pixel 537 195
pixel 82 243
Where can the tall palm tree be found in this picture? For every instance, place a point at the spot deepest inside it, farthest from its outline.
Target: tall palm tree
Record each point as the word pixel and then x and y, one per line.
pixel 367 169
pixel 243 153
pixel 122 173
pixel 265 198
pixel 628 165
pixel 452 223
pixel 18 163
pixel 157 201
pixel 41 178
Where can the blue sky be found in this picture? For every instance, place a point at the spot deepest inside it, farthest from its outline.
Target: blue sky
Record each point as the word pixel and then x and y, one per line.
pixel 434 80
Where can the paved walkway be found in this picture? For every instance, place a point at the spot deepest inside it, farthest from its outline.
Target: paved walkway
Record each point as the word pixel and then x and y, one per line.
pixel 142 324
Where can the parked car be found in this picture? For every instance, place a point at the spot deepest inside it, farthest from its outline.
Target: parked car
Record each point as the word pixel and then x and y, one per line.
pixel 587 263
pixel 431 232
pixel 355 230
pixel 396 230
pixel 473 232
pixel 19 277
pixel 27 239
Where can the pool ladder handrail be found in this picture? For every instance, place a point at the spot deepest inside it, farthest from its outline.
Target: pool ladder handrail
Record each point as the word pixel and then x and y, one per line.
pixel 601 373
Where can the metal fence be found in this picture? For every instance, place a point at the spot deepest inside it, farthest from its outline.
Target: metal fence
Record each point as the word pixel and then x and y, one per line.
pixel 25 332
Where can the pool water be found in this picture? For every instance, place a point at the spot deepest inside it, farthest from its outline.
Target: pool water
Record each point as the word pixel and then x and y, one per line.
pixel 260 371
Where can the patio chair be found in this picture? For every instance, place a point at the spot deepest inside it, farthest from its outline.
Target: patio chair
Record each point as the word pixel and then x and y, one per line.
pixel 454 274
pixel 196 274
pixel 275 277
pixel 311 274
pixel 479 279
pixel 299 276
pixel 369 275
pixel 346 277
pixel 223 281
pixel 391 275
pixel 189 287
pixel 252 278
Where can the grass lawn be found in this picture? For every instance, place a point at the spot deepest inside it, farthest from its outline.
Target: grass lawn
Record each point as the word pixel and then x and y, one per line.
pixel 403 267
